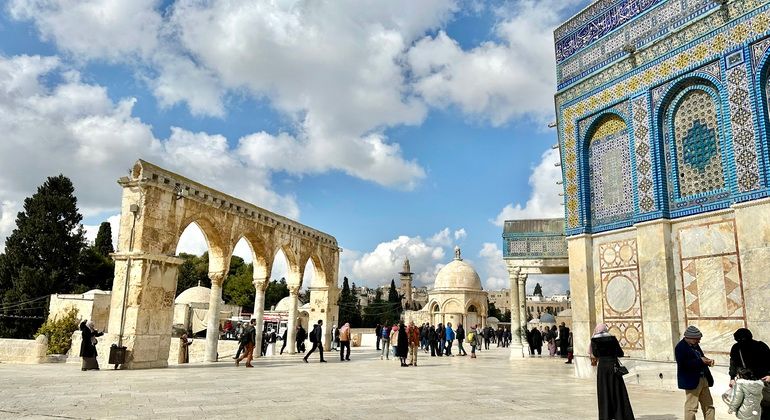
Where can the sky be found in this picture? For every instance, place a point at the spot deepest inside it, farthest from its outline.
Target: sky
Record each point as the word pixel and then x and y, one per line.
pixel 402 128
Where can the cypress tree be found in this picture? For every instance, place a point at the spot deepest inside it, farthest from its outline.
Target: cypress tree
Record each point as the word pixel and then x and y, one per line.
pixel 41 256
pixel 103 242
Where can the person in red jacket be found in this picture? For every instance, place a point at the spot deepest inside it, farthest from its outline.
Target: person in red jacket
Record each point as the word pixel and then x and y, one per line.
pixel 413 337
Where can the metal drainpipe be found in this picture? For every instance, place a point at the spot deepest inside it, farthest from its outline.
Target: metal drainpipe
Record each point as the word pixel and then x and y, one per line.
pixel 134 209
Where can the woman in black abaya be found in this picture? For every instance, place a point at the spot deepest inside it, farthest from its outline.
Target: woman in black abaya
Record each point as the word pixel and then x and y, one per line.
pixel 610 388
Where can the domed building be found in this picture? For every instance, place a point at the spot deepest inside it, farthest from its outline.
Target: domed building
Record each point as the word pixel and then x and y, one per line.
pixel 191 310
pixel 456 297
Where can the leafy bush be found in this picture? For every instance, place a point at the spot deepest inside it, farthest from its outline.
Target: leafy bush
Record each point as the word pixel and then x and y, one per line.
pixel 59 331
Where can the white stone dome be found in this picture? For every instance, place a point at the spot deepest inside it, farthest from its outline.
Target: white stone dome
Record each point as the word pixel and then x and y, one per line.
pixel 283 304
pixel 458 274
pixel 197 294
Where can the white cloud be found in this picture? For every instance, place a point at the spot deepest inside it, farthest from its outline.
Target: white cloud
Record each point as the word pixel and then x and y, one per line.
pixel 494 267
pixel 70 127
pixel 94 28
pixel 544 201
pixel 495 81
pixel 440 238
pixel 460 234
pixel 92 230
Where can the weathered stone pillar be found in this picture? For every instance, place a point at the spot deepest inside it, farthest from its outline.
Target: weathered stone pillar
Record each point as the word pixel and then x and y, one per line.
pixel 583 297
pixel 260 286
pixel 212 329
pixel 516 350
pixel 522 280
pixel 291 336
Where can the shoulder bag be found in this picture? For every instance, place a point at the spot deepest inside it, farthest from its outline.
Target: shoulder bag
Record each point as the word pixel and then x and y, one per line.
pixel 619 369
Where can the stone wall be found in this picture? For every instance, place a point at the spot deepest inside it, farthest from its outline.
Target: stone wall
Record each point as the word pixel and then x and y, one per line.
pixel 23 351
pixel 651 281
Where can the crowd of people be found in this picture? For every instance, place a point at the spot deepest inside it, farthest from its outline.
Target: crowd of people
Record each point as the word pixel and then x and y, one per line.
pixel 558 341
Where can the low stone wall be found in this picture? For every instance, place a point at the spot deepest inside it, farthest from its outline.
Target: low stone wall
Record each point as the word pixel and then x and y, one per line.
pixel 24 351
pixel 226 349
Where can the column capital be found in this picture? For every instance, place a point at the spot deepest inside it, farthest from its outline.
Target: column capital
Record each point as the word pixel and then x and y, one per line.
pixel 513 270
pixel 217 278
pixel 261 283
pixel 293 290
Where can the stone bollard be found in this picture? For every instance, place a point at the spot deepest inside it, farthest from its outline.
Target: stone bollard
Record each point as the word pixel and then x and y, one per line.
pixel 41 349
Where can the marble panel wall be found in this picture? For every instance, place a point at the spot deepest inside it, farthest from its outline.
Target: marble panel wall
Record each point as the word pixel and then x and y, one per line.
pixel 621 292
pixel 711 280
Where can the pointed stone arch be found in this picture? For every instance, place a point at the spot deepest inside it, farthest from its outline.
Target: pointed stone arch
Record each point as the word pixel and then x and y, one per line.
pixel 157 206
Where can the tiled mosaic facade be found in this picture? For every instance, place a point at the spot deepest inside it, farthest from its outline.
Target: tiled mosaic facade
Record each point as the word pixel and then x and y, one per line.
pixel 602 39
pixel 621 292
pixel 717 150
pixel 610 172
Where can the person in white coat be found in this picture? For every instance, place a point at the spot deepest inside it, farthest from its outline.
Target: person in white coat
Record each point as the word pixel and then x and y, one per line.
pixel 746 396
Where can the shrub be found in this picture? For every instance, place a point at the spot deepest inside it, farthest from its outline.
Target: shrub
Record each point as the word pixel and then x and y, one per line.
pixel 59 331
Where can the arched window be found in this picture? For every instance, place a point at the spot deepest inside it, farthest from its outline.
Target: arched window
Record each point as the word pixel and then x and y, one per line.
pixel 609 171
pixel 696 138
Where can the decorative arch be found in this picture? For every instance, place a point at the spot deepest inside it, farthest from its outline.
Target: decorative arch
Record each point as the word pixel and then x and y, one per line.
pixel 219 251
pixel 762 94
pixel 452 305
pixel 319 273
pixel 607 180
pixel 260 253
pixel 694 142
pixel 434 307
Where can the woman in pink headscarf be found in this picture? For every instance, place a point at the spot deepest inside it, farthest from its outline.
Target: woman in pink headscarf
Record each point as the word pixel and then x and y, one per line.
pixel 610 388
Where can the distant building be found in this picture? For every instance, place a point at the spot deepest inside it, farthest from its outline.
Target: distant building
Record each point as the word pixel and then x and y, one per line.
pixel 501 299
pixel 538 305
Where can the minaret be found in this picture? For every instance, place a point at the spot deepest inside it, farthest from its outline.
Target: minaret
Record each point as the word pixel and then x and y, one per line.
pixel 406 284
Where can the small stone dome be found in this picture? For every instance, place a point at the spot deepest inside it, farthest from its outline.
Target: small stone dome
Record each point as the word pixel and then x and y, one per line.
pixel 547 318
pixel 458 274
pixel 283 304
pixel 197 294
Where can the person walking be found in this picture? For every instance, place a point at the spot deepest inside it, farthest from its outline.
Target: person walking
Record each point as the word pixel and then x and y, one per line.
pixel 315 337
pixel 345 342
pixel 450 337
pixel 754 355
pixel 570 350
pixel 378 335
pixel 184 351
pixel 394 339
pixel 248 340
pixel 402 340
pixel 486 338
pixel 301 337
pixel 385 331
pixel 471 338
pixel 460 333
pixel 610 387
pixel 432 340
pixel 552 334
pixel 693 375
pixel 535 342
pixel 283 339
pixel 424 337
pixel 413 338
pixel 441 335
pixel 88 345
pixel 563 340
pixel 336 337
pixel 238 334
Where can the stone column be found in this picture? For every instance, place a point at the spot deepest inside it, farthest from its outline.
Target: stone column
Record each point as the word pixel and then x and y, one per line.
pixel 212 329
pixel 522 280
pixel 516 350
pixel 260 286
pixel 583 297
pixel 291 336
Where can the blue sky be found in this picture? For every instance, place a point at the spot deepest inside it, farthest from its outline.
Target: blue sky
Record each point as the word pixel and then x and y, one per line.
pixel 401 128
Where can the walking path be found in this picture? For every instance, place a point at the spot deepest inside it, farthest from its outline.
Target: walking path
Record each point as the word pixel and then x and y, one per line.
pixel 285 388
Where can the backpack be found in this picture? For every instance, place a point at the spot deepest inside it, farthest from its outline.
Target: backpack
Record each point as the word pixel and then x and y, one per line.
pixel 471 337
pixel 313 338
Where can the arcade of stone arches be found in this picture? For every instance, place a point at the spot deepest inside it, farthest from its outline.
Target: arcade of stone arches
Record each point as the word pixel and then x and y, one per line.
pixel 157 206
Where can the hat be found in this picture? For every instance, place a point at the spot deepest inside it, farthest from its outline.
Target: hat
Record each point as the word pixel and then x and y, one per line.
pixel 692 332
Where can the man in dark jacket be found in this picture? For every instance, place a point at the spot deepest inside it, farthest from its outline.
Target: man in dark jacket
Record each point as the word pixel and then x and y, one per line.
pixel 563 340
pixel 693 375
pixel 535 341
pixel 754 355
pixel 248 340
pixel 301 337
pixel 378 333
pixel 315 338
pixel 433 340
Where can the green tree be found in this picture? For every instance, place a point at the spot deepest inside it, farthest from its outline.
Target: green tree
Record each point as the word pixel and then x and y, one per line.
pixel 348 303
pixel 239 285
pixel 41 256
pixel 493 311
pixel 96 271
pixel 377 312
pixel 276 291
pixel 538 290
pixel 394 301
pixel 192 272
pixel 103 242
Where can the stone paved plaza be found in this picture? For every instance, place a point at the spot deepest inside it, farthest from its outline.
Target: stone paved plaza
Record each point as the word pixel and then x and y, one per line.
pixel 490 386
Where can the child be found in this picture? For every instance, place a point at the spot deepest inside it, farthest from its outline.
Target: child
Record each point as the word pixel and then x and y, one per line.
pixel 471 338
pixel 747 396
